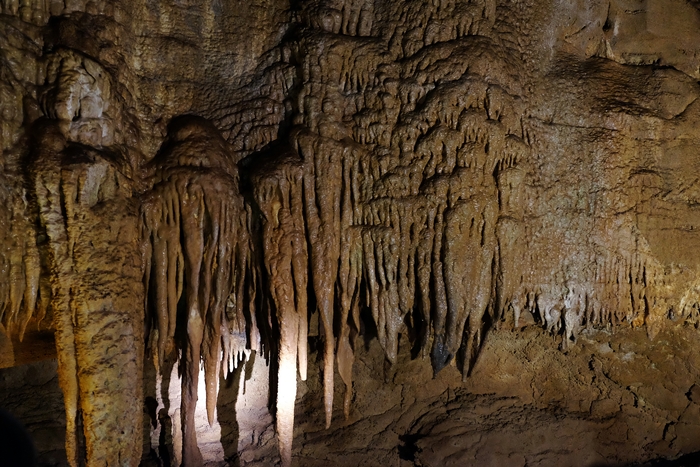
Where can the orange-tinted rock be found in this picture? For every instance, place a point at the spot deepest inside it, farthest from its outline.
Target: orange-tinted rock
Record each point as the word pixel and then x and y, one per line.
pixel 426 170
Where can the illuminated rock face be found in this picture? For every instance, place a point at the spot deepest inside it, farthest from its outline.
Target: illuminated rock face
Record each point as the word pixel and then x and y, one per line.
pixel 193 182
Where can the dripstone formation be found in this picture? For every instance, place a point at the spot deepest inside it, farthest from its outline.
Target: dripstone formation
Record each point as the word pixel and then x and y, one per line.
pixel 184 183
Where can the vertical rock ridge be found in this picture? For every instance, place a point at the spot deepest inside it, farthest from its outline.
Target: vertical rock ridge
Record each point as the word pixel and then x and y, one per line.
pixel 96 307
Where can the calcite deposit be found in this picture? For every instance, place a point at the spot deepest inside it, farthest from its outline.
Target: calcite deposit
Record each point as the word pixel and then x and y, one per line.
pixel 184 184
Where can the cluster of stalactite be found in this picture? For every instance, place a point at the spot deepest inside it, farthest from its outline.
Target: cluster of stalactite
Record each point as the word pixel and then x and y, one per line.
pixel 19 264
pixel 196 248
pixel 416 240
pixel 402 173
pixel 400 190
pixel 432 261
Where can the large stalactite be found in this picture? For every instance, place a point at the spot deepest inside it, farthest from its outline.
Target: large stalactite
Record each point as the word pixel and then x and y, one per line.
pixel 96 306
pixel 195 249
pixel 445 166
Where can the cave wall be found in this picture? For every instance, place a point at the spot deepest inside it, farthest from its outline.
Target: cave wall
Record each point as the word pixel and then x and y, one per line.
pixel 189 184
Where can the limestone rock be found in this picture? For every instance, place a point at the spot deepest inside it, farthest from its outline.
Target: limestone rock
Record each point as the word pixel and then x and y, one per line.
pixel 192 183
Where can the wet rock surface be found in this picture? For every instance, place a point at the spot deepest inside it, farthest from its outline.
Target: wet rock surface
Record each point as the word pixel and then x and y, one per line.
pixel 489 188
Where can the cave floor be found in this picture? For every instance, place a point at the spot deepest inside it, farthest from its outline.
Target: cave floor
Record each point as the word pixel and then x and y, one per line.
pixel 613 399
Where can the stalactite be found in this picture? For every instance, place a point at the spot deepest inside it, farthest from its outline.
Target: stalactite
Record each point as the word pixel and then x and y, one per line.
pixel 439 355
pixel 96 308
pixel 380 253
pixel 195 247
pixel 350 273
pixel 278 187
pixel 20 263
pixel 398 158
pixel 323 184
pixel 469 254
pixel 47 187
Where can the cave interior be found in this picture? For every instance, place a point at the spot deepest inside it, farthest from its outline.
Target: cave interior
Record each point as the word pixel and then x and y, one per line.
pixel 350 232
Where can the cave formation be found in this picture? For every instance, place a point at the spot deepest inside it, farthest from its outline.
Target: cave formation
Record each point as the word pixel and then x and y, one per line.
pixel 431 229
